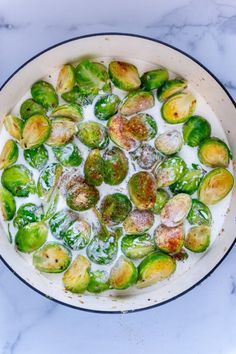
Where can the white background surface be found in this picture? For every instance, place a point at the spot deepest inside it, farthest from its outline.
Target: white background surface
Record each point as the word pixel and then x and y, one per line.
pixel 202 321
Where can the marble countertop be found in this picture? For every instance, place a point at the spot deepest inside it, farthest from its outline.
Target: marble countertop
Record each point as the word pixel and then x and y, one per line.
pixel 204 320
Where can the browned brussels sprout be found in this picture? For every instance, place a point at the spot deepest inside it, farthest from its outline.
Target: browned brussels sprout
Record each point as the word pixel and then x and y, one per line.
pixel 115 166
pixel 176 210
pixel 169 239
pixel 198 238
pixel 162 197
pixel 18 180
pixel 123 274
pixel 36 131
pixel 7 204
pixel 169 143
pixel 115 208
pixel 195 130
pixel 30 237
pixel 76 278
pixel 178 108
pixel 124 75
pixel 30 108
pixel 9 154
pixel 106 106
pixel 14 126
pixel 69 110
pixel 119 133
pixel 142 190
pixel 138 222
pixel 146 156
pixel 213 152
pixel 154 79
pixel 169 171
pixel 93 135
pixel 94 168
pixel 142 127
pixel 136 102
pixel 44 94
pixel 66 79
pixel 63 130
pixel 170 88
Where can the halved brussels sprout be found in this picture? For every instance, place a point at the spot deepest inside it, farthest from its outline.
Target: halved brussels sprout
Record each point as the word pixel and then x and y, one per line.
pixel 170 88
pixel 78 97
pixel 48 180
pixel 119 133
pixel 142 127
pixel 178 108
pixel 195 130
pixel 30 237
pixel 169 143
pixel 142 190
pixel 146 156
pixel 37 157
pixel 93 135
pixel 215 186
pixel 26 214
pixel 62 131
pixel 35 132
pixel 69 110
pixel 52 258
pixel 7 204
pixel 115 208
pixel 115 166
pixel 162 197
pixel 155 267
pixel 107 87
pixel 169 239
pixel 198 238
pixel 137 246
pixel 124 75
pixel 138 222
pixel 136 102
pixel 123 274
pixel 189 182
pixel 94 168
pixel 154 79
pixel 9 154
pixel 30 108
pixel 14 126
pixel 213 152
pixel 99 281
pixel 61 221
pixel 66 79
pixel 169 171
pixel 43 93
pixel 18 180
pixel 68 155
pixel 176 210
pixel 77 235
pixel 76 278
pixel 199 214
pixel 106 106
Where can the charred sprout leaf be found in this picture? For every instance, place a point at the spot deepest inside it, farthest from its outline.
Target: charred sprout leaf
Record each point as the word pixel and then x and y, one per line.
pixel 61 221
pixel 189 182
pixel 69 110
pixel 99 281
pixel 123 274
pixel 30 108
pixel 198 238
pixel 169 239
pixel 68 155
pixel 9 154
pixel 176 210
pixel 66 79
pixel 14 126
pixel 142 127
pixel 170 88
pixel 30 237
pixel 48 180
pixel 195 130
pixel 215 186
pixel 137 246
pixel 115 208
pixel 36 131
pixel 162 198
pixel 124 75
pixel 119 133
pixel 27 214
pixel 76 278
pixel 37 157
pixel 94 168
pixel 136 102
pixel 7 204
pixel 199 214
pixel 18 180
pixel 213 152
pixel 52 258
pixel 169 171
pixel 138 222
pixel 154 79
pixel 63 130
pixel 77 235
pixel 146 156
pixel 178 108
pixel 106 106
pixel 115 166
pixel 142 190
pixel 169 143
pixel 44 94
pixel 78 97
pixel 93 135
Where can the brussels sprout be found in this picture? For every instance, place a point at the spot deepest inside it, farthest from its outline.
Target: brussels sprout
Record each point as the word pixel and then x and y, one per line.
pixel 68 155
pixel 48 180
pixel 178 108
pixel 52 258
pixel 18 180
pixel 198 238
pixel 199 214
pixel 176 210
pixel 93 135
pixel 169 239
pixel 68 110
pixel 76 278
pixel 115 166
pixel 142 127
pixel 136 102
pixel 44 94
pixel 30 237
pixel 155 267
pixel 195 130
pixel 61 221
pixel 30 108
pixel 119 133
pixel 77 235
pixel 63 130
pixel 123 274
pixel 162 198
pixel 94 168
pixel 98 282
pixel 124 75
pixel 137 246
pixel 154 79
pixel 142 190
pixel 9 154
pixel 115 208
pixel 213 152
pixel 106 106
pixel 70 178
pixel 7 204
pixel 35 132
pixel 169 143
pixel 215 186
pixel 189 182
pixel 170 88
pixel 14 126
pixel 169 171
pixel 37 157
pixel 26 214
pixel 138 222
pixel 66 79
pixel 146 156
pixel 78 97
